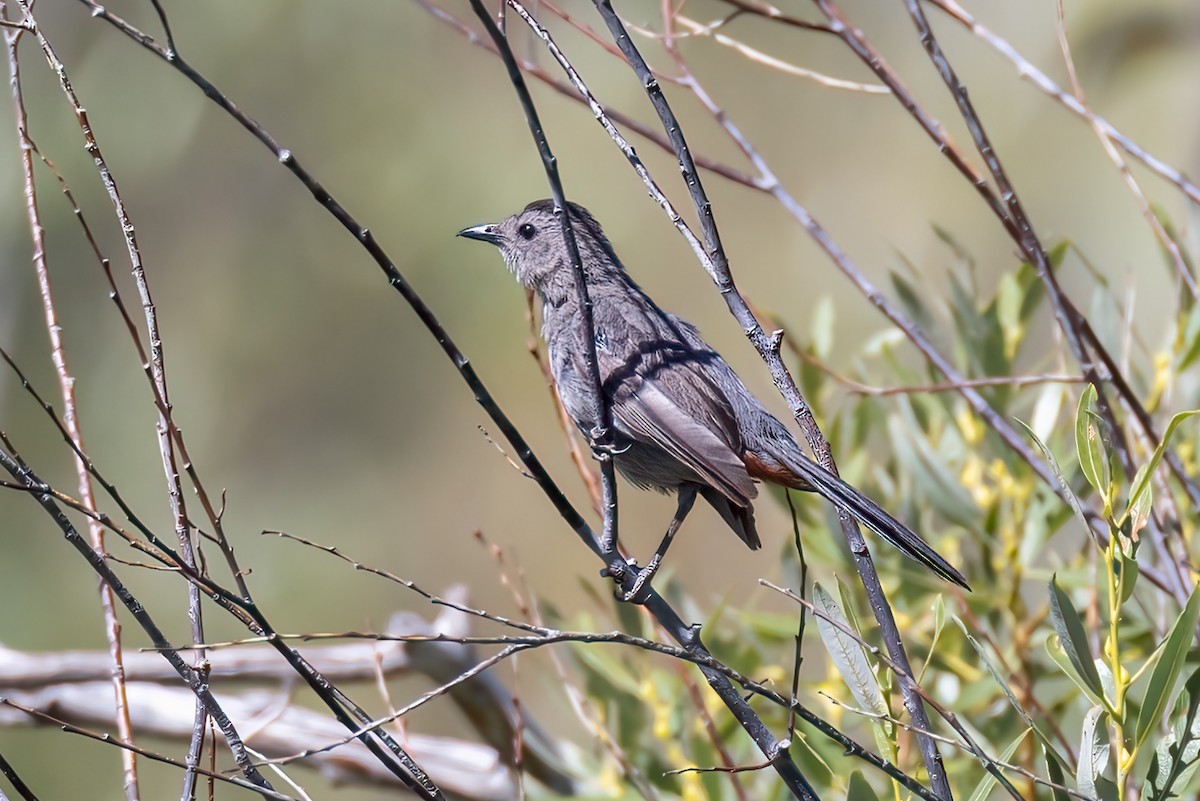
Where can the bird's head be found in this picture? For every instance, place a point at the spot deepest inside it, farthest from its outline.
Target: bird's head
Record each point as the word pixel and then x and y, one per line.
pixel 533 247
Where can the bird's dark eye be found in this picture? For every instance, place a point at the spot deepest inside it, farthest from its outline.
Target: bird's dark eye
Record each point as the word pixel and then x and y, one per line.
pixel 527 231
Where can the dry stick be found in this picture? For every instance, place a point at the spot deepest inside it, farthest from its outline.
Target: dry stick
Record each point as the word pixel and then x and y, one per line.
pixel 104 737
pixel 1135 188
pixel 530 68
pixel 1020 228
pixel 768 349
pixel 667 617
pixel 66 385
pixel 1166 512
pixel 516 644
pixel 416 779
pixel 1076 328
pixel 999 763
pixel 601 436
pixel 716 673
pixel 1030 72
pixel 1015 441
pixel 876 63
pixel 40 493
pixel 157 367
pixel 637 164
pixel 946 714
pixel 245 610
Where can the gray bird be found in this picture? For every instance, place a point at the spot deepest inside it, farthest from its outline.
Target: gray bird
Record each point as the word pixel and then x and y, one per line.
pixel 683 421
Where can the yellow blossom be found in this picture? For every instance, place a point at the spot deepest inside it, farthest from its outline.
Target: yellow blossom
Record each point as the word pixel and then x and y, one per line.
pixel 971 477
pixel 969 426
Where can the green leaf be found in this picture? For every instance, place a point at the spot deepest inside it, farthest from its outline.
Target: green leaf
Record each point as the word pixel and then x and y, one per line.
pixel 1073 637
pixel 1055 771
pixel 1055 650
pixel 1063 484
pixel 858 788
pixel 939 623
pixel 990 664
pixel 1089 444
pixel 1140 502
pixel 1178 755
pixel 989 781
pixel 1127 569
pixel 1141 484
pixel 1168 668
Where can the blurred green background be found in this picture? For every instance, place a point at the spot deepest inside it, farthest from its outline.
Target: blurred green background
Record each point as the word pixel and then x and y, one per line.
pixel 309 391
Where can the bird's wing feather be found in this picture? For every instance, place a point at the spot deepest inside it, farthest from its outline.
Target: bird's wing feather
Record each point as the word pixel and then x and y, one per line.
pixel 645 412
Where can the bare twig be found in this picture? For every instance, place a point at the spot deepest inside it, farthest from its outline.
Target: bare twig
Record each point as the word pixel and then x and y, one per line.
pixel 66 385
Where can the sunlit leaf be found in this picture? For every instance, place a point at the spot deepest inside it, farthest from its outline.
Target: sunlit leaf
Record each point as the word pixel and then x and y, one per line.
pixel 1141 484
pixel 1093 752
pixel 1178 754
pixel 1168 668
pixel 1089 444
pixel 847 654
pixel 989 781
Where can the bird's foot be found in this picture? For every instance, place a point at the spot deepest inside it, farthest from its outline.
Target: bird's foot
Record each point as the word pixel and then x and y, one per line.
pixel 639 591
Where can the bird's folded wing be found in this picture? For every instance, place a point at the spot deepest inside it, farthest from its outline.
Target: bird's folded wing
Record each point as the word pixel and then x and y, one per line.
pixel 647 414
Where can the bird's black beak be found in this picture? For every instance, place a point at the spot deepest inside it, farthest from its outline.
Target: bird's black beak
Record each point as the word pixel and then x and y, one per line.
pixel 484 233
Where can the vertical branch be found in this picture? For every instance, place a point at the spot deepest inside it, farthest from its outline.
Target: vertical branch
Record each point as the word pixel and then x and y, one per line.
pixel 66 385
pixel 768 349
pixel 156 366
pixel 601 436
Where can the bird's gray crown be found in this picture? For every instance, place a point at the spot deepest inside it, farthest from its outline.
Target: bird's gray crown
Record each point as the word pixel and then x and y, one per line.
pixel 533 247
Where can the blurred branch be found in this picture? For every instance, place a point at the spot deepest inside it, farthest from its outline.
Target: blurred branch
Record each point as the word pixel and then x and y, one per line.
pixel 440 650
pixel 276 727
pixel 201 690
pixel 1026 70
pixel 66 386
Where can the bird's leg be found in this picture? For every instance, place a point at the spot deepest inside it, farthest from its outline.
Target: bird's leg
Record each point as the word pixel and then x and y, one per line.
pixel 687 497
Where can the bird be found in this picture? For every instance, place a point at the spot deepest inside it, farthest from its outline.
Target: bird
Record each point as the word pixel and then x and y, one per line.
pixel 682 419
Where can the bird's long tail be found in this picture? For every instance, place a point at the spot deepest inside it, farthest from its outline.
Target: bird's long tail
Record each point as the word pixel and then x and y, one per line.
pixel 846 497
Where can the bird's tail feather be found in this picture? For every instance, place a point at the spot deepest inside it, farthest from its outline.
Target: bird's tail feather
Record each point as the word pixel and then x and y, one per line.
pixel 846 497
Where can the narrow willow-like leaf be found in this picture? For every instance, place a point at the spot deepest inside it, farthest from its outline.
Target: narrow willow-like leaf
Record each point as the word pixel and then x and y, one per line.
pixel 1073 637
pixel 849 659
pixel 1055 650
pixel 1055 771
pixel 859 789
pixel 1063 484
pixel 1141 484
pixel 1141 502
pixel 994 669
pixel 989 781
pixel 1089 444
pixel 1168 668
pixel 1178 755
